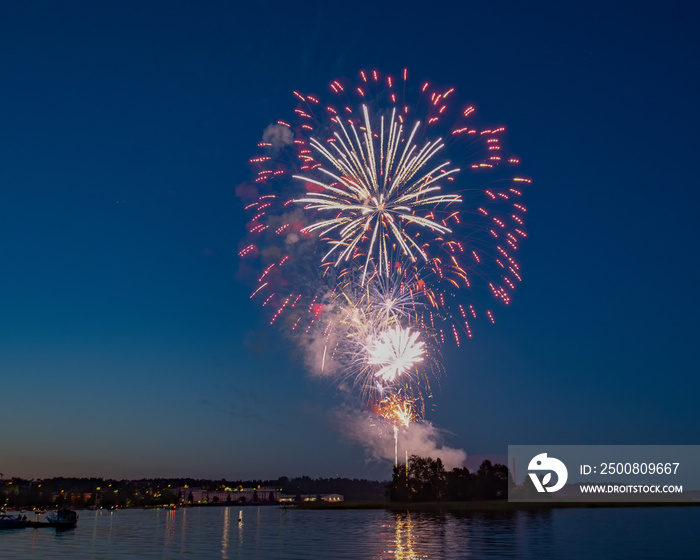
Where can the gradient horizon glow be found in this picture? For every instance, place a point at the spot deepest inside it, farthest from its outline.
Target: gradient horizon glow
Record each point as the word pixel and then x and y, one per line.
pixel 129 345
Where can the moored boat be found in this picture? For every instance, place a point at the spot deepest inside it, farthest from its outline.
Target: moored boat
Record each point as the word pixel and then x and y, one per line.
pixel 11 521
pixel 63 518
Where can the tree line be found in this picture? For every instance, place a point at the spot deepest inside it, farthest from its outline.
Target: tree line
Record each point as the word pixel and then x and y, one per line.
pixel 426 480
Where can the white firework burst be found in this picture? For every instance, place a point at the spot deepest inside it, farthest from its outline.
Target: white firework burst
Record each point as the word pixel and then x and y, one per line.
pixel 395 351
pixel 375 190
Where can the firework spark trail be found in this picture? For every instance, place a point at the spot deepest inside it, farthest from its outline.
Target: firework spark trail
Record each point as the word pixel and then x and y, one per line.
pixel 397 408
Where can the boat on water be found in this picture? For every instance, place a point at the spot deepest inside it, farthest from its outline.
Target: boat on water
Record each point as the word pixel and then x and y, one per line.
pixel 11 521
pixel 63 515
pixel 62 519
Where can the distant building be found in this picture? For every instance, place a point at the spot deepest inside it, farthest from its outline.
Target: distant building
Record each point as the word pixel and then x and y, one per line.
pixel 195 495
pixel 288 498
pixel 332 497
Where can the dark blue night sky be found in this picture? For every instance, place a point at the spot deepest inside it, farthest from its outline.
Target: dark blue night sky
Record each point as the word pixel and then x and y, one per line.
pixel 129 348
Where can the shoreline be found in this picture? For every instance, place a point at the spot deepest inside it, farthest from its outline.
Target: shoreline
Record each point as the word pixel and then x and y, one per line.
pixel 471 506
pixel 485 506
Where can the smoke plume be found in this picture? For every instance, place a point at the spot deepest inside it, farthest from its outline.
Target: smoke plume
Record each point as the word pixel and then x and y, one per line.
pixel 376 436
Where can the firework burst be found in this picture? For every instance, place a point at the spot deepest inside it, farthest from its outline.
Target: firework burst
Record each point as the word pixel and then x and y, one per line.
pixel 378 221
pixel 395 352
pixel 397 408
pixel 371 339
pixel 379 187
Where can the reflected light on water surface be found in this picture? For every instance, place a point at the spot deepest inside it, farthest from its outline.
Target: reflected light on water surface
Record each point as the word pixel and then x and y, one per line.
pixel 224 536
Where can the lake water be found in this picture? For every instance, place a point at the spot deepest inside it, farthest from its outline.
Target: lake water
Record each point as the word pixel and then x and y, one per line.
pixel 274 533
